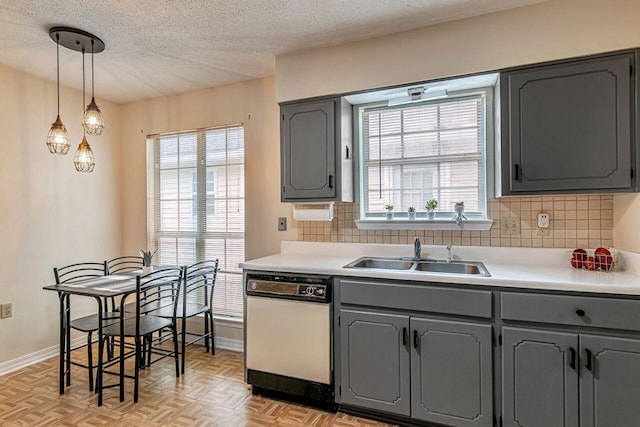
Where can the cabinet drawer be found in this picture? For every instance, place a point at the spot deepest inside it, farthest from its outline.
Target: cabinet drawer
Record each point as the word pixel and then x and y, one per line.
pixel 569 310
pixel 432 299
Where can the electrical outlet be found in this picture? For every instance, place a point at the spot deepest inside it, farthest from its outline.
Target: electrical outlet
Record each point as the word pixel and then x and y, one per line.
pixel 6 310
pixel 544 223
pixel 282 223
pixel 543 220
pixel 510 226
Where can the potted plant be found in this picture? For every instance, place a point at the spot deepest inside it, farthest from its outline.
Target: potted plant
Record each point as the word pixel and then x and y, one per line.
pixel 389 209
pixel 147 256
pixel 411 212
pixel 431 207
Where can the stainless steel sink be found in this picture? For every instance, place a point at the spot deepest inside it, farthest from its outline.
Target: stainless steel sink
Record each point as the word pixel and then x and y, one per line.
pixel 472 268
pixel 381 263
pixel 454 267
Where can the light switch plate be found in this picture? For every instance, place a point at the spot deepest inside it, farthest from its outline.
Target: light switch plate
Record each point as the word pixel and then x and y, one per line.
pixel 282 223
pixel 509 226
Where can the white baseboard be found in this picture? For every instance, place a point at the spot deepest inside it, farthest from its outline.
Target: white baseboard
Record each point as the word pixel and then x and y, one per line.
pixel 38 356
pixel 229 344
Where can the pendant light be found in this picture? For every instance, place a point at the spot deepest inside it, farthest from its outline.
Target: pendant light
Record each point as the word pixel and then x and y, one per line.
pixel 58 140
pixel 80 41
pixel 93 122
pixel 83 160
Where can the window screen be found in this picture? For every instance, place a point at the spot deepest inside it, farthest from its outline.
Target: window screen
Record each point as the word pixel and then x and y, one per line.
pixel 417 152
pixel 196 205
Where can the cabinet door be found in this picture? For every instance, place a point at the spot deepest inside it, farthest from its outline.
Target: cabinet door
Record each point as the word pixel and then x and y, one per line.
pixel 539 378
pixel 451 370
pixel 375 361
pixel 568 127
pixel 308 150
pixel 610 383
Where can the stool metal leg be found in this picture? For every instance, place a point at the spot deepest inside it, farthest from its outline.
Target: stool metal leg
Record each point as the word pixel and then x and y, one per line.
pixel 63 339
pixel 68 340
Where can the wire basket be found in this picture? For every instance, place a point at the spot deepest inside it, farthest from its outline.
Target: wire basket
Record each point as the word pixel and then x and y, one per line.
pixel 593 260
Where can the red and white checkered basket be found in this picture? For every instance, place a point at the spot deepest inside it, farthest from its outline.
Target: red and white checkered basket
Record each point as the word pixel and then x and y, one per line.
pixel 593 260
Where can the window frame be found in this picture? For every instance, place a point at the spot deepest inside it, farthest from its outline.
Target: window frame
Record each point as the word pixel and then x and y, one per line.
pixel 199 199
pixel 477 221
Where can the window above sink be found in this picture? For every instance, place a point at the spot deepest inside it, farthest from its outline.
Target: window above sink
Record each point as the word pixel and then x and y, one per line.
pixel 435 143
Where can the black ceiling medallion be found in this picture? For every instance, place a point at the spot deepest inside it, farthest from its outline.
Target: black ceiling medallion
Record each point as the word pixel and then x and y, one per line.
pixel 75 39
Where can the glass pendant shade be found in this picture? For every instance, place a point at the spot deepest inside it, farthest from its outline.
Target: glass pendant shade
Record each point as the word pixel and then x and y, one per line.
pixel 93 122
pixel 83 160
pixel 58 140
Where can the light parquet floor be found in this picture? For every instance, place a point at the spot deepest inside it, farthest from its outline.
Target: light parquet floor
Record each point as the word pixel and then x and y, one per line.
pixel 211 393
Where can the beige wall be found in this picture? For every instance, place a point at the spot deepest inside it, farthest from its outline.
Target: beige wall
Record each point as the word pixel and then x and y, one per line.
pixel 51 214
pixel 551 30
pixel 252 103
pixel 546 31
pixel 626 222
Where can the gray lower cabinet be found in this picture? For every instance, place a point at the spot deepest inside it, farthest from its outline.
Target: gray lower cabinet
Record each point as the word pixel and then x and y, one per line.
pixel 546 374
pixel 539 378
pixel 432 370
pixel 610 382
pixel 563 370
pixel 451 370
pixel 375 361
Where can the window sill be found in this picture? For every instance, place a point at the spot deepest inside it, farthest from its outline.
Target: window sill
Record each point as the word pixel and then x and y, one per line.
pixel 424 224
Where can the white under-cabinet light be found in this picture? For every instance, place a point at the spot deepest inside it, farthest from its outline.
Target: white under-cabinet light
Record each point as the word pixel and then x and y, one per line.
pixel 417 94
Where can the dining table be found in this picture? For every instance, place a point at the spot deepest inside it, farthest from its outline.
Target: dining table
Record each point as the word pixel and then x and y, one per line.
pixel 100 288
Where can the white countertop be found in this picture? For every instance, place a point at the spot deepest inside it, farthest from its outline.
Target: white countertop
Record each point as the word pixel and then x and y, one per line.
pixel 509 267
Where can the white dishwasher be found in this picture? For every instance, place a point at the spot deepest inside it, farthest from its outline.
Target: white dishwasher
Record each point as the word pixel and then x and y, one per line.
pixel 288 337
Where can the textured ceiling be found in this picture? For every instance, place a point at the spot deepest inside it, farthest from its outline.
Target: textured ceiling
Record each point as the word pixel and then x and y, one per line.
pixel 164 47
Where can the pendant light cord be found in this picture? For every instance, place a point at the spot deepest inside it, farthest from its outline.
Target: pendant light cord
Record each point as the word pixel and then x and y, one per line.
pixel 83 100
pixel 83 97
pixel 58 68
pixel 92 76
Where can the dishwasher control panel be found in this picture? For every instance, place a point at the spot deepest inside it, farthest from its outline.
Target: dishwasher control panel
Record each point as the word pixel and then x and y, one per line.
pixel 305 288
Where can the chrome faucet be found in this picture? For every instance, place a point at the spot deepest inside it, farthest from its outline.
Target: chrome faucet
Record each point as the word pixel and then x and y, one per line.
pixel 417 248
pixel 449 254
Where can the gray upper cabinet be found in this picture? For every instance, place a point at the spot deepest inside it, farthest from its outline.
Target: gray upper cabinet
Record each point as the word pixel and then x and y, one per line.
pixel 539 378
pixel 316 161
pixel 375 361
pixel 452 373
pixel 569 127
pixel 610 382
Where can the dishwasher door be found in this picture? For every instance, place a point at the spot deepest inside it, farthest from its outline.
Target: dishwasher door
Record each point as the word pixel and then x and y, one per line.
pixel 289 338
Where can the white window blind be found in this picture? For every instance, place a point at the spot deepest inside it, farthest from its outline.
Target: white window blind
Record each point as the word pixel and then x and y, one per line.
pixel 196 204
pixel 417 152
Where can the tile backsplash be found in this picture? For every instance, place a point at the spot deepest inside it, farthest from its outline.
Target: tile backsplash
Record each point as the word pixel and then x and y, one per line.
pixel 576 221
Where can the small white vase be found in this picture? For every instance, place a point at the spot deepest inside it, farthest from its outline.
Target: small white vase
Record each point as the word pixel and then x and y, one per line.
pixel 147 270
pixel 389 215
pixel 431 214
pixel 412 215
